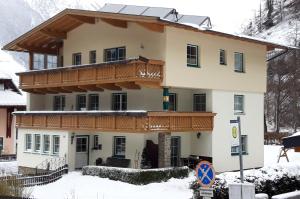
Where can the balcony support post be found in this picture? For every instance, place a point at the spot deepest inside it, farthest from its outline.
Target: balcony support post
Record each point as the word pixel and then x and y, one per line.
pixel 164 149
pixel 165 98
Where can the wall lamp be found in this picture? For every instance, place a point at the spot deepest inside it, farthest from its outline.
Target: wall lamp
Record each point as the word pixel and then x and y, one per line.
pixel 198 135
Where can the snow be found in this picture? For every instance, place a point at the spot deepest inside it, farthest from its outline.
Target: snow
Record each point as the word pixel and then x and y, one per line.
pixel 11 98
pixel 287 195
pixel 8 168
pixel 75 185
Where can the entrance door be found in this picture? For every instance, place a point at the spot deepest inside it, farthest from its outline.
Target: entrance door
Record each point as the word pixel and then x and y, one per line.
pixel 175 151
pixel 82 151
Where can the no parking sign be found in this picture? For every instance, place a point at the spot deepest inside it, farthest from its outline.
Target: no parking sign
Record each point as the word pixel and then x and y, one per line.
pixel 206 177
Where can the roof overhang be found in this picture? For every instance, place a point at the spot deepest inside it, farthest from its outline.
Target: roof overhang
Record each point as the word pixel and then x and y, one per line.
pixel 48 36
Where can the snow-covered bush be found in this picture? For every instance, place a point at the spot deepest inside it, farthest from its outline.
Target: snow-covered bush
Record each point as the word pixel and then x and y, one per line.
pixel 136 176
pixel 270 180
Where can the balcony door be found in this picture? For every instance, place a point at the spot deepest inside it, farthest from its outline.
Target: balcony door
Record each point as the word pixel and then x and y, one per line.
pixel 175 151
pixel 82 151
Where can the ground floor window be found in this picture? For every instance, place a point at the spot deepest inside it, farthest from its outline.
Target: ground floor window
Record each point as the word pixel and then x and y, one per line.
pixel 56 144
pixel 119 146
pixel 175 151
pixel 235 149
pixel 28 142
pixel 46 146
pixel 37 142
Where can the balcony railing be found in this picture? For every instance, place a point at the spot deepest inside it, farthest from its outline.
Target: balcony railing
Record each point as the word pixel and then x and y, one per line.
pixel 117 121
pixel 130 74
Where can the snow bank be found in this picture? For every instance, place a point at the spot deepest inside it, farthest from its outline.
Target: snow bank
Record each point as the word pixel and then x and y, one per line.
pixel 295 194
pixel 8 168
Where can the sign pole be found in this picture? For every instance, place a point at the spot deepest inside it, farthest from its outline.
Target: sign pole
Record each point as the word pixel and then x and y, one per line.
pixel 240 151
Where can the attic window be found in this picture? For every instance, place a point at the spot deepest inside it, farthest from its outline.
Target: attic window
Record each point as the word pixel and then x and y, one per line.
pixel 1 87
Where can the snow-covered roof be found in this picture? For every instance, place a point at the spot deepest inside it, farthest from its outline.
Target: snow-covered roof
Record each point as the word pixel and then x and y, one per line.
pixel 12 98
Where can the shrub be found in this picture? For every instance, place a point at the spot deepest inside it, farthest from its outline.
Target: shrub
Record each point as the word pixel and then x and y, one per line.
pixel 270 180
pixel 14 189
pixel 136 176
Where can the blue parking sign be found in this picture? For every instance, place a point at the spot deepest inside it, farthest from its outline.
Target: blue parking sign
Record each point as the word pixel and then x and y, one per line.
pixel 205 174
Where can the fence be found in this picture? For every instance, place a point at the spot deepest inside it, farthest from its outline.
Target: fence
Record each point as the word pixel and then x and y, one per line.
pixel 274 138
pixel 41 179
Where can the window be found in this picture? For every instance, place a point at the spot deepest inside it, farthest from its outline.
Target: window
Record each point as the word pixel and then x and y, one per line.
pixel 192 55
pixel 1 87
pixel 93 102
pixel 56 144
pixel 1 144
pixel 51 61
pixel 46 146
pixel 37 142
pixel 28 142
pixel 172 102
pixel 38 61
pixel 59 103
pixel 93 58
pixel 238 62
pixel 238 104
pixel 96 141
pixel 222 57
pixel 77 59
pixel 119 101
pixel 235 149
pixel 82 144
pixel 114 54
pixel 81 103
pixel 119 146
pixel 200 102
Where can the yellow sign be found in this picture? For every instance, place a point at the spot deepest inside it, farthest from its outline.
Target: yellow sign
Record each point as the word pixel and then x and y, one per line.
pixel 234 132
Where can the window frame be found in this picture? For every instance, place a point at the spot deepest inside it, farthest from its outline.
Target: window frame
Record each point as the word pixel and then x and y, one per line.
pixel 74 61
pixel 222 62
pixel 123 96
pixel 1 143
pixel 54 64
pixel 174 103
pixel 117 51
pixel 62 102
pixel 54 144
pixel 236 104
pixel 200 103
pixel 35 142
pixel 235 149
pixel 242 61
pixel 26 142
pixel 40 62
pixel 44 144
pixel 93 60
pixel 90 107
pixel 96 142
pixel 78 108
pixel 189 56
pixel 123 147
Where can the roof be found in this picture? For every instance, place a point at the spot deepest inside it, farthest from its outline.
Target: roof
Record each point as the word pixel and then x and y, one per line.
pixel 11 98
pixel 9 81
pixel 48 36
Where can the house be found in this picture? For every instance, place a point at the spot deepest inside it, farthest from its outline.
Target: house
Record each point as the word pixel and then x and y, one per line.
pixel 11 99
pixel 107 85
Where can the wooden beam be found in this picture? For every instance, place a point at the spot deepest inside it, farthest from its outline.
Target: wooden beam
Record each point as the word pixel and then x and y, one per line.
pixel 83 19
pixel 54 34
pixel 58 90
pixel 33 91
pixel 148 84
pixel 128 85
pixel 73 89
pixel 30 60
pixel 152 26
pixel 34 49
pixel 90 88
pixel 116 22
pixel 109 86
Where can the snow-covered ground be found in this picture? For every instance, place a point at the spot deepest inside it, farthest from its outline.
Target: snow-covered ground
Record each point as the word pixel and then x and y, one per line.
pixel 8 168
pixel 76 186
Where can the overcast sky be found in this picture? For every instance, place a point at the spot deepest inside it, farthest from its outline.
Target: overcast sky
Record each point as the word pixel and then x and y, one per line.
pixel 226 15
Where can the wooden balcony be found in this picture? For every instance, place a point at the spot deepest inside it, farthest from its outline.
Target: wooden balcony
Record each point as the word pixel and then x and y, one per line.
pixel 129 74
pixel 117 121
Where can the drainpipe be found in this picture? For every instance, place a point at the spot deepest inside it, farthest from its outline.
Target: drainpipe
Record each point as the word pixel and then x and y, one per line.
pixel 166 99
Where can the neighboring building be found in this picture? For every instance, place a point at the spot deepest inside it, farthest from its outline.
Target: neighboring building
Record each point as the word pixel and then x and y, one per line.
pixel 11 100
pixel 109 83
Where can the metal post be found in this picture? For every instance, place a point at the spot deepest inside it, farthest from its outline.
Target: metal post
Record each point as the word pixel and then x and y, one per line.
pixel 240 151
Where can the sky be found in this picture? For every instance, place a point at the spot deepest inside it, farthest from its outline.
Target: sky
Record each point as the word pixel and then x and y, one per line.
pixel 226 15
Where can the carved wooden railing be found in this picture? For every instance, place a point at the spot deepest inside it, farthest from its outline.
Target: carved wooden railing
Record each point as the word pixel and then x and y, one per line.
pixel 117 121
pixel 134 70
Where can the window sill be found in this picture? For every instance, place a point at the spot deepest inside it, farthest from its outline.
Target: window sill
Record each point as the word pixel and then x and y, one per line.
pixel 237 154
pixel 27 152
pixel 237 71
pixel 239 113
pixel 45 153
pixel 223 64
pixel 193 66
